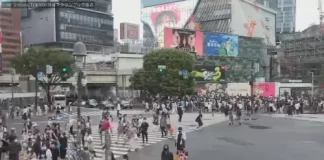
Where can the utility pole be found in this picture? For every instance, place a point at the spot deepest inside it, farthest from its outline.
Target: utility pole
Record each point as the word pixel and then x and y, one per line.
pixel 79 86
pixel 252 77
pixel 79 52
pixel 312 83
pixel 12 85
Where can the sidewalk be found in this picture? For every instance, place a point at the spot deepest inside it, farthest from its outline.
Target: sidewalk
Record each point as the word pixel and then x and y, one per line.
pixel 306 117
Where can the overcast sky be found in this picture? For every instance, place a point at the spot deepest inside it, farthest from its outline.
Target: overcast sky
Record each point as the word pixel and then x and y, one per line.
pixel 306 13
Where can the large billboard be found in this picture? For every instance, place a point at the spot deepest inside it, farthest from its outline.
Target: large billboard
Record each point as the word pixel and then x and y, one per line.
pixel 209 73
pixel 183 39
pixel 221 44
pixel 129 31
pixel 173 15
pixel 265 89
pixel 149 3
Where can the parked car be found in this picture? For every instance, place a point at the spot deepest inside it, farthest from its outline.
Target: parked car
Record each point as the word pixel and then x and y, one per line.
pixel 125 104
pixel 92 103
pixel 107 105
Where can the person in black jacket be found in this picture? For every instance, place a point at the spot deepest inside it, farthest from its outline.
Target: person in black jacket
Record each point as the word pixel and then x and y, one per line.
pixel 166 154
pixel 144 127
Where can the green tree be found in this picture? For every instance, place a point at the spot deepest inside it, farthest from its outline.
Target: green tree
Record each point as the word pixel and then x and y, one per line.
pixel 36 59
pixel 137 80
pixel 166 82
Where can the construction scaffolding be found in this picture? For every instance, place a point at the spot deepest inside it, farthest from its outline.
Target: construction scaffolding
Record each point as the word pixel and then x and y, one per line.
pixel 302 53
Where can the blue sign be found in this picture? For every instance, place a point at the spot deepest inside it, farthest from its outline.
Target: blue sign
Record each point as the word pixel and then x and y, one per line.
pixel 40 76
pixel 185 73
pixel 221 44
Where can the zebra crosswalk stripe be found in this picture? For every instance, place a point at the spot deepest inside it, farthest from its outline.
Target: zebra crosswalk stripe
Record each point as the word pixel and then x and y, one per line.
pixel 99 112
pixel 121 148
pixel 154 135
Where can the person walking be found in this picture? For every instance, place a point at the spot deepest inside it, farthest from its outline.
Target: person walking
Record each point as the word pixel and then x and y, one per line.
pixel 163 125
pixel 144 128
pixel 166 154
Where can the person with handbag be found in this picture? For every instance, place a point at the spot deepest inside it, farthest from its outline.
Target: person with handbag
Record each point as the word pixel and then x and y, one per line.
pixel 180 141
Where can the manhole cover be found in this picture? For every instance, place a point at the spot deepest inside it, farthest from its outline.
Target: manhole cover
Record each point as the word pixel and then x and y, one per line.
pixel 259 127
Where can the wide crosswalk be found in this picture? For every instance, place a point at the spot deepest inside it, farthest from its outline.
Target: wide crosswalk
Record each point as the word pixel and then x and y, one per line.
pixel 154 135
pixel 114 112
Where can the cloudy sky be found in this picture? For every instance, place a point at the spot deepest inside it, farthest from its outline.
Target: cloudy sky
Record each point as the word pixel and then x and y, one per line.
pixel 306 13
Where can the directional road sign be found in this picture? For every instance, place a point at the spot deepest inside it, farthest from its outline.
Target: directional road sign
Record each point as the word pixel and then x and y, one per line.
pixel 40 76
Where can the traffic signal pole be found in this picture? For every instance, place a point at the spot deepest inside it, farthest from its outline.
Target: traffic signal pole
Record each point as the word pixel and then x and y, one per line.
pixel 36 94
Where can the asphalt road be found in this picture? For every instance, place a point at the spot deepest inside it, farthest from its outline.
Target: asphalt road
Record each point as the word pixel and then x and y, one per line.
pixel 264 138
pixel 42 121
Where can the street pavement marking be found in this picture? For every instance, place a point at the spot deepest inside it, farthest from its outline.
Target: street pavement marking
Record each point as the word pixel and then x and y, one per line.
pixel 154 135
pixel 99 112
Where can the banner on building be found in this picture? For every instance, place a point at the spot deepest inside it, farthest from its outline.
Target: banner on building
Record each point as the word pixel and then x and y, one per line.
pixel 265 89
pixel 173 15
pixel 208 73
pixel 183 39
pixel 221 44
pixel 129 31
pixel 210 88
pixel 241 89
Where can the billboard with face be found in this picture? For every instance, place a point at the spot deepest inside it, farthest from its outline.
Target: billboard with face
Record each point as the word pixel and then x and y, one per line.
pixel 183 39
pixel 173 15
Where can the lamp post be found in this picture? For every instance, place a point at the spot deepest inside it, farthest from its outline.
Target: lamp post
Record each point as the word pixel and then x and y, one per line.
pixel 79 52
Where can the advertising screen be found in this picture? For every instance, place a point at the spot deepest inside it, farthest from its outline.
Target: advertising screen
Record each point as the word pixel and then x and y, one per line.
pixel 208 73
pixel 148 3
pixel 265 89
pixel 173 15
pixel 221 44
pixel 182 39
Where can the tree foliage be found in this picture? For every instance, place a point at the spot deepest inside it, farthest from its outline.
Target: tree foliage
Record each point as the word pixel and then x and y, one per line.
pixel 168 82
pixel 36 59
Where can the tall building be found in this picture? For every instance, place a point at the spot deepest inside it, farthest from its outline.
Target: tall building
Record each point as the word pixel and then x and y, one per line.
pixel 286 14
pixel 10 37
pixel 62 27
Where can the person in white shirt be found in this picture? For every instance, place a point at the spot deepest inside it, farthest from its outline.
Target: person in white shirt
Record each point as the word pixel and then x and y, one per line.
pixel 147 107
pixel 118 108
pixel 48 154
pixel 180 139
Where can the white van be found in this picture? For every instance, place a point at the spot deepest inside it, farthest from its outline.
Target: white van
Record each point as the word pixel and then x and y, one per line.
pixel 59 99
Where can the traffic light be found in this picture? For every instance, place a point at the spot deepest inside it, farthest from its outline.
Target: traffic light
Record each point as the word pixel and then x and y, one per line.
pixel 161 68
pixel 64 69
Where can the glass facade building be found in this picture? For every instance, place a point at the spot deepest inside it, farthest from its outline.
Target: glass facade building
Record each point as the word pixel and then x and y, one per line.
pixel 92 28
pixel 286 16
pixel 62 27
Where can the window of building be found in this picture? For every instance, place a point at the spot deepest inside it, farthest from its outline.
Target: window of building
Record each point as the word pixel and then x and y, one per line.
pixel 288 2
pixel 287 8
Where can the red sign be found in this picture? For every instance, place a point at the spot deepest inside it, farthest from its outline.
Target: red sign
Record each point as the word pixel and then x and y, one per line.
pixel 122 31
pixel 188 40
pixel 0 37
pixel 132 31
pixel 129 31
pixel 265 89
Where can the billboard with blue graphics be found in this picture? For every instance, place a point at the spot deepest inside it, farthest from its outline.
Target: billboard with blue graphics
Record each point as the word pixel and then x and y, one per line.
pixel 219 44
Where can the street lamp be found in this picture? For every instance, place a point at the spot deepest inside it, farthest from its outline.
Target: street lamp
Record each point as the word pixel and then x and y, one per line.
pixel 79 52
